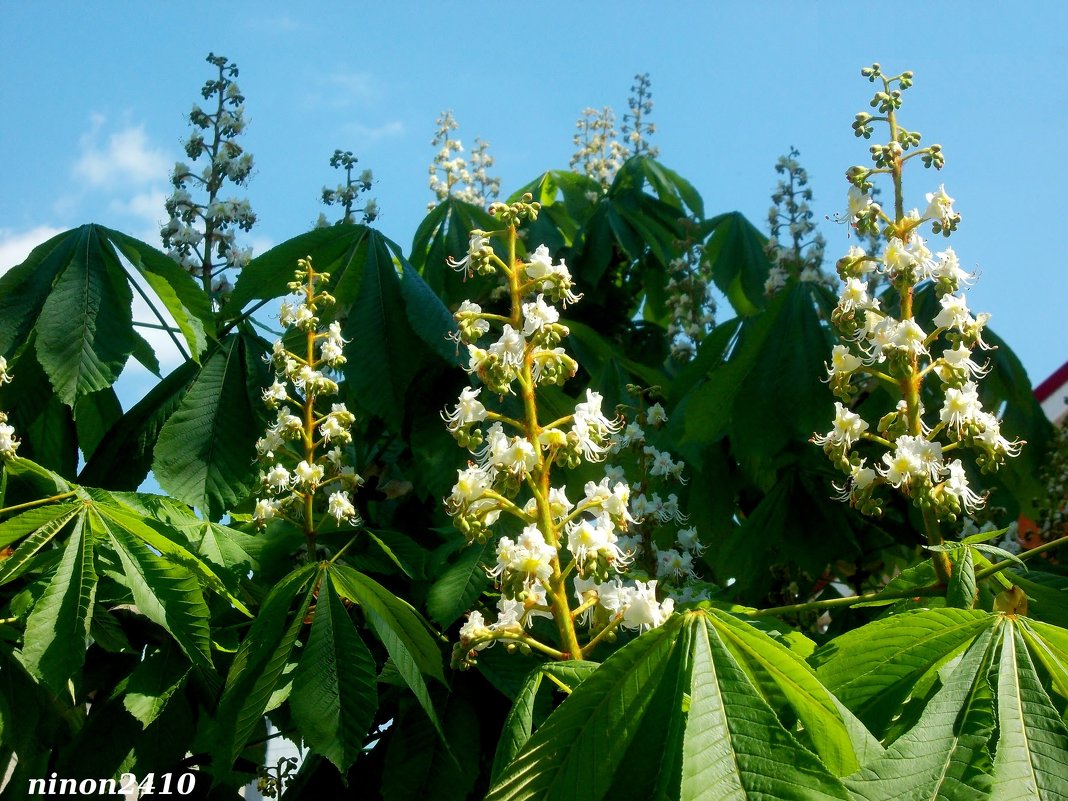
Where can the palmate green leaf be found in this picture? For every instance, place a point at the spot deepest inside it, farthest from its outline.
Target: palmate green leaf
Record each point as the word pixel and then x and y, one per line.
pixel 47 427
pixel 444 234
pixel 154 534
pixel 44 523
pixel 167 594
pixel 334 696
pixel 875 668
pixel 1049 645
pixel 790 368
pixel 399 628
pixel 85 330
pixel 1032 750
pixel 153 682
pixel 205 453
pixel 57 629
pixel 459 584
pixel 705 731
pixel 333 250
pixel 124 457
pixel 261 658
pixel 734 252
pixel 389 353
pixel 945 755
pixel 181 296
pixel 520 721
pixel 839 739
pixel 94 415
pixel 734 746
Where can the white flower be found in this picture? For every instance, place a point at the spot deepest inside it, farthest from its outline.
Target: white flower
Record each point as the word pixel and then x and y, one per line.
pixel 947 269
pixel 858 204
pixel 842 361
pixel 266 508
pixel 341 508
pixel 643 611
pixel 468 410
pixel 274 394
pixel 278 478
pixel 956 485
pixel 940 206
pixel 961 406
pixel 8 443
pixel 509 348
pixel 655 415
pixel 954 313
pixel 848 427
pixel 855 296
pixel 538 315
pixel 677 564
pixel 687 539
pixel 475 628
pixel 307 475
pixel 331 430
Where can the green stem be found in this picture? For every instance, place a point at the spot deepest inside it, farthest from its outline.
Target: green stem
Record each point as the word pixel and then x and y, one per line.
pixel 997 568
pixel 39 502
pixel 847 601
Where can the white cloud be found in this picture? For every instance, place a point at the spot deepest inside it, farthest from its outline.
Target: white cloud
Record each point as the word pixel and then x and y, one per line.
pixel 369 135
pixel 342 90
pixel 127 157
pixel 15 246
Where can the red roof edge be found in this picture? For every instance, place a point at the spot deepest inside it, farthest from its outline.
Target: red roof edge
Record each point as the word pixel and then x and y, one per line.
pixel 1051 384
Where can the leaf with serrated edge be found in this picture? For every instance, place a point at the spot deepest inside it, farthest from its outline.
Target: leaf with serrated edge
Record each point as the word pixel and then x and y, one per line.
pixel 158 677
pixel 164 592
pixel 1032 756
pixel 45 523
pixel 400 630
pixel 942 757
pixel 261 659
pixel 873 669
pixel 57 629
pixel 734 748
pixel 334 696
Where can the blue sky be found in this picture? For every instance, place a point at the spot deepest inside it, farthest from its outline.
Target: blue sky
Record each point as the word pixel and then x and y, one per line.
pixel 96 95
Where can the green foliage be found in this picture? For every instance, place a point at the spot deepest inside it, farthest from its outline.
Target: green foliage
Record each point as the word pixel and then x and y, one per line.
pixel 143 632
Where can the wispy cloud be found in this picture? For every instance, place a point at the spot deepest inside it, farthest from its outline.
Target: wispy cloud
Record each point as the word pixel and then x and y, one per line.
pixel 370 134
pixel 126 157
pixel 338 90
pixel 15 246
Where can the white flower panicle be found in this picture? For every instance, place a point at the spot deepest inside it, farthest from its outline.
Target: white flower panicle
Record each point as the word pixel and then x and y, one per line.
pixel 887 342
pixel 451 175
pixel 599 153
pixel 794 247
pixel 346 194
pixel 200 234
pixel 9 443
pixel 690 298
pixel 308 463
pixel 510 471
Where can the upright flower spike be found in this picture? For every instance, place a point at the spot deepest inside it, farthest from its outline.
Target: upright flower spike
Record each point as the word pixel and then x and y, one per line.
pixel 346 194
pixel 794 246
pixel 200 232
pixel 689 297
pixel 451 175
pixel 907 449
pixel 565 550
pixel 9 443
pixel 599 154
pixel 304 452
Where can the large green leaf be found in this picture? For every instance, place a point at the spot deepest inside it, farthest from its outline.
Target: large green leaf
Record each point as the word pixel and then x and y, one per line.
pixel 205 454
pixel 875 668
pixel 179 293
pixel 386 354
pixel 1032 747
pixel 399 628
pixel 167 594
pixel 57 630
pixel 334 696
pixel 41 524
pixel 85 330
pixel 153 682
pixel 459 584
pixel 521 719
pixel 706 731
pixel 124 457
pixel 262 656
pixel 734 252
pixel 945 756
